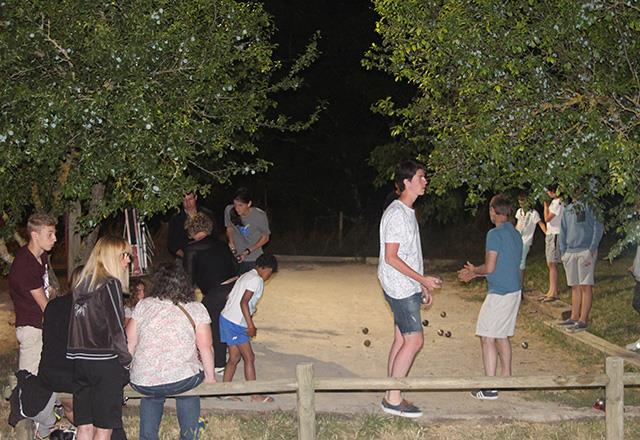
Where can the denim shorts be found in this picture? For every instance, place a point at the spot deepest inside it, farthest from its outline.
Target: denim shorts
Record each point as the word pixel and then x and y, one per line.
pixel 406 312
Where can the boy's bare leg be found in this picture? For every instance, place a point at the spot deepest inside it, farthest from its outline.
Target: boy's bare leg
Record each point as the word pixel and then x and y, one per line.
pixel 586 295
pixel 576 302
pixel 504 351
pixel 232 363
pixel 489 355
pixel 402 361
pixel 248 360
pixel 398 340
pixel 553 280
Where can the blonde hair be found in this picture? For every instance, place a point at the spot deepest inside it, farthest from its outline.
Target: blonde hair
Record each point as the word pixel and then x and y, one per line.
pixel 38 220
pixel 104 262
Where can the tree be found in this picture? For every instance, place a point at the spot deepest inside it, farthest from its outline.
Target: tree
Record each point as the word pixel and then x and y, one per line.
pixel 519 94
pixel 110 105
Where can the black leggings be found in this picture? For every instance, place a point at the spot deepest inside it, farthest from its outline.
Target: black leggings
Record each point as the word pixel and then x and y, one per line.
pixel 214 301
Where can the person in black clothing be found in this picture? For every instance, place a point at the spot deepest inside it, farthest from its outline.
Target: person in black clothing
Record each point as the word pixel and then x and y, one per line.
pixel 55 371
pixel 177 237
pixel 211 266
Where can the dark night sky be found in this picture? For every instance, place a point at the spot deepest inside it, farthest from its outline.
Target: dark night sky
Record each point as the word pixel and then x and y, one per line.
pixel 322 171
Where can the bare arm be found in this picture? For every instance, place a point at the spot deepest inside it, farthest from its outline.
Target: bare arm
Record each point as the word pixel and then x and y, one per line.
pixel 548 215
pixel 469 271
pixel 132 336
pixel 40 297
pixel 204 342
pixel 392 259
pixel 543 226
pixel 244 306
pixel 232 244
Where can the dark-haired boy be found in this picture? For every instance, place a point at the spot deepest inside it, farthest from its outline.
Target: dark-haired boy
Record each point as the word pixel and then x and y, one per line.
pixel 236 322
pixel 497 317
pixel 406 288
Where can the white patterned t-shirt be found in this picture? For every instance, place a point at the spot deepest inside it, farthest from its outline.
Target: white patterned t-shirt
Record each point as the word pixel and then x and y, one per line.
pixel 399 225
pixel 166 351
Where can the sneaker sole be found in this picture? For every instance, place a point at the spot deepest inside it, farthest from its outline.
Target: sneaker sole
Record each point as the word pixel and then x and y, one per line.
pixel 484 397
pixel 395 412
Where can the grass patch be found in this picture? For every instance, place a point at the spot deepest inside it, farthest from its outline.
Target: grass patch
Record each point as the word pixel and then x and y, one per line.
pixel 283 425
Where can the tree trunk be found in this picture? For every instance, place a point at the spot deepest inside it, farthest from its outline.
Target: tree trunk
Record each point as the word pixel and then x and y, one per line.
pixel 79 248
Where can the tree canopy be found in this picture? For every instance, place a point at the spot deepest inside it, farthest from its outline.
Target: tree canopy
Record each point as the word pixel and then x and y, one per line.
pixel 118 104
pixel 518 95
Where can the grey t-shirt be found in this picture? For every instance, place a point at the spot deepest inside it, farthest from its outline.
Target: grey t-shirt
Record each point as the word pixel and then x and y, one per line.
pixel 253 227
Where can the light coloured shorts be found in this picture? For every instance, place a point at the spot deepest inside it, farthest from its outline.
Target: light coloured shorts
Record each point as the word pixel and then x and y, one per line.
pixel 497 317
pixel 579 268
pixel 30 344
pixel 551 249
pixel 525 252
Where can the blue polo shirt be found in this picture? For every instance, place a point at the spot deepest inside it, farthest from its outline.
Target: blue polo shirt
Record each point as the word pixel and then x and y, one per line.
pixel 506 241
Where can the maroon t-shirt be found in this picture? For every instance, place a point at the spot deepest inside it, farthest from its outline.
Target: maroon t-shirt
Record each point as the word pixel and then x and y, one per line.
pixel 27 274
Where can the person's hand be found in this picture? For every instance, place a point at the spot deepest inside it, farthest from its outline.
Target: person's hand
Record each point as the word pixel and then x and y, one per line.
pixel 180 253
pixel 427 298
pixel 251 331
pixel 467 273
pixel 240 258
pixel 630 269
pixel 431 283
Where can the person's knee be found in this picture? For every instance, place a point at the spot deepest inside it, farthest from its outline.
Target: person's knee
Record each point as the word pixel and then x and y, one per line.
pixel 234 358
pixel 414 341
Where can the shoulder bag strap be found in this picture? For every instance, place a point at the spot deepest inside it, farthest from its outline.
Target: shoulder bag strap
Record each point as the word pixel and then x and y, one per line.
pixel 193 323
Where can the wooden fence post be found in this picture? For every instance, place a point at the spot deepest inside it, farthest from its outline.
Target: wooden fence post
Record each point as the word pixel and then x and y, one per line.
pixel 614 418
pixel 306 402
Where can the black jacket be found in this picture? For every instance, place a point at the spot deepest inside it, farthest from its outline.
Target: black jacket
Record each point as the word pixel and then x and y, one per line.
pixel 209 262
pixel 96 326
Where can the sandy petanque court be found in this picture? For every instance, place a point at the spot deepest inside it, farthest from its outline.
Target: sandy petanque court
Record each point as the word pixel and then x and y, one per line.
pixel 315 312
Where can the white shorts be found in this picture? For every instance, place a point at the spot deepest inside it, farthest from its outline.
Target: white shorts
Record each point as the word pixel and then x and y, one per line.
pixel 497 317
pixel 525 252
pixel 579 268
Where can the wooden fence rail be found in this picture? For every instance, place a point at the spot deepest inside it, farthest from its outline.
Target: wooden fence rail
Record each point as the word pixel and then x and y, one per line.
pixel 306 385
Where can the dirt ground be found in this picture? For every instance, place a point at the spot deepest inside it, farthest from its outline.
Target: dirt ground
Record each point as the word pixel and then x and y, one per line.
pixel 316 313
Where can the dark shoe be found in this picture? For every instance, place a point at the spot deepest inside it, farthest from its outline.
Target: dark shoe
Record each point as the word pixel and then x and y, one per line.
pixel 579 326
pixel 403 409
pixel 567 323
pixel 485 394
pixel 549 299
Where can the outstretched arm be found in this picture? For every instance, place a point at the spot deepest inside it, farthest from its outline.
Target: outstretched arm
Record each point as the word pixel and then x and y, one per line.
pixel 469 271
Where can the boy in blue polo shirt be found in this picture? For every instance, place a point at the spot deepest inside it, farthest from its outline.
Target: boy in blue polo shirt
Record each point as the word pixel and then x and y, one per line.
pixel 497 317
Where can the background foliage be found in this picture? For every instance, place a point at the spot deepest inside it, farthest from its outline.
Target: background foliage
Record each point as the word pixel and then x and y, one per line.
pixel 518 95
pixel 118 104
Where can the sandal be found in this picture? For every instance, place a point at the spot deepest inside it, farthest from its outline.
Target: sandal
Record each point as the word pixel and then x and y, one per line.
pixel 262 399
pixel 549 299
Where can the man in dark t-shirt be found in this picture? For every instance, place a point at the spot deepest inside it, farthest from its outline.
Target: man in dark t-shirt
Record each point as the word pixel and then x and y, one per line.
pixel 30 290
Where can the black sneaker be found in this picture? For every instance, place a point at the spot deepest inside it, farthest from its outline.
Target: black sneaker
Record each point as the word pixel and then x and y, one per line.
pixel 567 323
pixel 579 326
pixel 485 394
pixel 403 409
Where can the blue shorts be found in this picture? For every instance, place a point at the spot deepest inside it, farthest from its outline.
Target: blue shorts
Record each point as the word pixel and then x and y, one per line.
pixel 406 312
pixel 232 333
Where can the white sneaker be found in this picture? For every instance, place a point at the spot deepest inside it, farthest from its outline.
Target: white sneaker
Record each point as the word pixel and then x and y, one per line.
pixel 634 346
pixel 219 370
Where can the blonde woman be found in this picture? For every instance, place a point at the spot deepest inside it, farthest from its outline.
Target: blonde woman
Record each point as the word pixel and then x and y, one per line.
pixel 97 341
